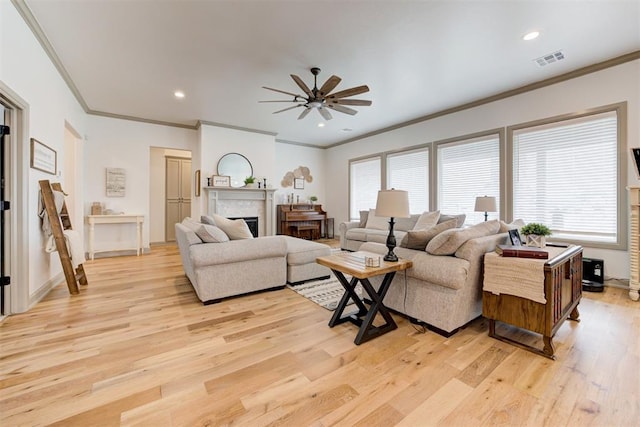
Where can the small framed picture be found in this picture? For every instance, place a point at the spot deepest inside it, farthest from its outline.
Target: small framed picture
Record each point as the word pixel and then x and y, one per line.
pixel 220 181
pixel 298 183
pixel 514 236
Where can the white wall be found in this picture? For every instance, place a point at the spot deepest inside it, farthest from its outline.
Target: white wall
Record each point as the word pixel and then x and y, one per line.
pixel 157 190
pixel 289 157
pixel 616 84
pixel 27 71
pixel 115 143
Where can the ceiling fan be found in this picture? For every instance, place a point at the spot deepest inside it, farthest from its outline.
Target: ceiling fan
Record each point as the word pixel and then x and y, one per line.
pixel 322 99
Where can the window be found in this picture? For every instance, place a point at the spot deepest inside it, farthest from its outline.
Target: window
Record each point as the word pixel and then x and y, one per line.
pixel 565 175
pixel 468 168
pixel 365 179
pixel 409 170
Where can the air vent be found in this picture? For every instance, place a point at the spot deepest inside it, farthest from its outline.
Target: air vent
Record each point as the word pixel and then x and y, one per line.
pixel 543 61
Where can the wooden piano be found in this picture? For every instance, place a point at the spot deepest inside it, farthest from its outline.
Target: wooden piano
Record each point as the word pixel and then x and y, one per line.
pixel 301 220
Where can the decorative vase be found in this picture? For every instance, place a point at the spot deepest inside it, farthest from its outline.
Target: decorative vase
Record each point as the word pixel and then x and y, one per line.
pixel 536 240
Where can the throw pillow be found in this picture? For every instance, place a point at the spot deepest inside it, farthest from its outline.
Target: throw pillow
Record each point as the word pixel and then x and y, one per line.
pixel 236 229
pixel 427 220
pixel 211 234
pixel 459 219
pixel 504 227
pixel 206 219
pixel 363 219
pixel 418 239
pixel 191 223
pixel 448 242
pixel 377 222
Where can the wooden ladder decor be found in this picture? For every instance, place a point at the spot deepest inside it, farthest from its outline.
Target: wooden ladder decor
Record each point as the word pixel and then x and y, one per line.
pixel 57 223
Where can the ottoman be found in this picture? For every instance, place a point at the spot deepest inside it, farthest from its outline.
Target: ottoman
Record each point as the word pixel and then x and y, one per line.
pixel 301 260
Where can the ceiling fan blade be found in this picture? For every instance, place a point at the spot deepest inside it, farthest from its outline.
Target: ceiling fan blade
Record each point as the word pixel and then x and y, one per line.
pixel 350 102
pixel 349 92
pixel 342 109
pixel 288 108
pixel 304 113
pixel 329 85
pixel 324 113
pixel 302 85
pixel 282 91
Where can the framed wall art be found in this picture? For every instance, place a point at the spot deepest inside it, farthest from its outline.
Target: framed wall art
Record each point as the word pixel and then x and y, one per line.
pixel 43 158
pixel 116 182
pixel 220 181
pixel 298 183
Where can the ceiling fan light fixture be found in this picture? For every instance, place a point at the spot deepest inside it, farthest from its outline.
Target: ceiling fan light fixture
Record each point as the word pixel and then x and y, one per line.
pixel 315 104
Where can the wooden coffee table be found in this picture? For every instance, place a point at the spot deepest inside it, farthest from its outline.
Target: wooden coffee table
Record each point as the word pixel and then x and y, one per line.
pixel 353 263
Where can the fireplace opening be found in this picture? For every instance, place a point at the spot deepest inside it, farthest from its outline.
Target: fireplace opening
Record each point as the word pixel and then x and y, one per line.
pixel 252 223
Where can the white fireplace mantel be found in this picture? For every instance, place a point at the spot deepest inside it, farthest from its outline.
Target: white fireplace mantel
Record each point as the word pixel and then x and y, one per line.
pixel 216 195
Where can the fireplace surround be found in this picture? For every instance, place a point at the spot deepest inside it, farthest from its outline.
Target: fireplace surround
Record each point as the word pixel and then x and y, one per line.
pixel 244 202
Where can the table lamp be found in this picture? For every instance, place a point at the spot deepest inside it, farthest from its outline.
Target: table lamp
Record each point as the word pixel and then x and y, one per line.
pixel 485 204
pixel 394 204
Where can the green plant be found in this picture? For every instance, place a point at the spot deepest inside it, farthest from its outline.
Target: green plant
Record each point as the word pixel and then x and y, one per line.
pixel 313 199
pixel 536 228
pixel 249 180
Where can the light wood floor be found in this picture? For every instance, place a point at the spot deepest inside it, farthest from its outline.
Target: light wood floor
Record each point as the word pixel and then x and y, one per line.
pixel 137 348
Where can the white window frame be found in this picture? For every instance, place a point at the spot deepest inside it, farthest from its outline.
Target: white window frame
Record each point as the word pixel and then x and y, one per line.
pixel 620 110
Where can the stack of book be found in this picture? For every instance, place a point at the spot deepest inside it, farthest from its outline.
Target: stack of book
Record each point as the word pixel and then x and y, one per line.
pixel 521 252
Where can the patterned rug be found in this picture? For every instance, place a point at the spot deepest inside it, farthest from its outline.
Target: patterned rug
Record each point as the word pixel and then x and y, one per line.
pixel 326 293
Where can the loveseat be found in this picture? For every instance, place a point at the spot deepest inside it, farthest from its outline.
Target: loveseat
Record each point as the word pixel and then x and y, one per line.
pixel 443 288
pixel 372 228
pixel 219 267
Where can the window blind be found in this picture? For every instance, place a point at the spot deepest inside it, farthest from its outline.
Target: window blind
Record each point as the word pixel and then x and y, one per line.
pixel 565 176
pixel 468 169
pixel 365 179
pixel 410 171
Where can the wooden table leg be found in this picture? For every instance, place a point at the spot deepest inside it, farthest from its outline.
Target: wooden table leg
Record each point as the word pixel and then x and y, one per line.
pixel 575 314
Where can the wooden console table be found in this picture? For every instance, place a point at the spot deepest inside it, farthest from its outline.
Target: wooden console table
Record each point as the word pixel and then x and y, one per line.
pixel 353 263
pixel 92 220
pixel 560 291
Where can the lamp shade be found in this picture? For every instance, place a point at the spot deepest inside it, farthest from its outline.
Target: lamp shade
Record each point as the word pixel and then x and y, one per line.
pixel 393 203
pixel 485 204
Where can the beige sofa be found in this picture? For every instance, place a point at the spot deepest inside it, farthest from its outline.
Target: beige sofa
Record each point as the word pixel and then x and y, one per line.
pixel 218 270
pixel 443 289
pixel 376 229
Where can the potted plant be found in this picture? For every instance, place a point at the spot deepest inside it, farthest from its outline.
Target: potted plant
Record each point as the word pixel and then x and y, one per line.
pixel 535 234
pixel 313 199
pixel 250 182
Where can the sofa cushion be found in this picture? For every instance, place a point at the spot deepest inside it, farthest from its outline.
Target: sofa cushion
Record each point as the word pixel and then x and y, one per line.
pixel 363 219
pixel 211 234
pixel 377 222
pixel 300 252
pixel 380 236
pixel 358 234
pixel 448 242
pixel 516 224
pixel 404 224
pixel 236 229
pixel 450 272
pixel 459 219
pixel 427 220
pixel 418 239
pixel 191 223
pixel 206 219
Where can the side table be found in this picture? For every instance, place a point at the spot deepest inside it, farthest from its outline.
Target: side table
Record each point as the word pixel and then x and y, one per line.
pixel 541 310
pixel 353 264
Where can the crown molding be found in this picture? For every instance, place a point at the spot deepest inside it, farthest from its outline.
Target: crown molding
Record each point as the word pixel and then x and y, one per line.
pixel 222 125
pixel 140 119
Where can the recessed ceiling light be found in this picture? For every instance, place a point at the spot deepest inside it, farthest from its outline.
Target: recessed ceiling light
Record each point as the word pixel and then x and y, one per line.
pixel 346 130
pixel 530 36
pixel 320 125
pixel 178 94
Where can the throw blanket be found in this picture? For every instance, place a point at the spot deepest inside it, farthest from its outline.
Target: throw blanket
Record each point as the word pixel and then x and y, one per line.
pixel 521 277
pixel 74 246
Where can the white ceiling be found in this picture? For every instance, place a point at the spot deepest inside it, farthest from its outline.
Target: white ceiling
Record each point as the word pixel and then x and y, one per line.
pixel 127 57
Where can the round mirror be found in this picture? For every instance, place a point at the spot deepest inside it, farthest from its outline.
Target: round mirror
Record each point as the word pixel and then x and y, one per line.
pixel 237 166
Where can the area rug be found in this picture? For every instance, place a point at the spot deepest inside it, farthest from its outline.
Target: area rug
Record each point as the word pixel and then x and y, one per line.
pixel 326 293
